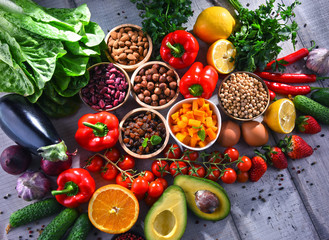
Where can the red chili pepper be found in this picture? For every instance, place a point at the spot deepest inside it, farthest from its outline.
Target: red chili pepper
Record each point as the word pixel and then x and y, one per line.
pixel 288 89
pixel 97 131
pixel 293 57
pixel 290 77
pixel 75 186
pixel 272 95
pixel 199 81
pixel 179 49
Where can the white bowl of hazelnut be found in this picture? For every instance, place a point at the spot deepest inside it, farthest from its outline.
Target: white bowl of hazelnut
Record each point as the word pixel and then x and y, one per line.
pixel 243 96
pixel 155 85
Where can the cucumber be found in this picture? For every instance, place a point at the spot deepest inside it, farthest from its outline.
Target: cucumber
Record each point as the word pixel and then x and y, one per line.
pixel 81 228
pixel 321 96
pixel 310 107
pixel 34 212
pixel 59 225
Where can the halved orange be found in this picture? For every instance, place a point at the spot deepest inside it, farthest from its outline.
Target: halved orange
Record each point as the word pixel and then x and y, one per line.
pixel 113 209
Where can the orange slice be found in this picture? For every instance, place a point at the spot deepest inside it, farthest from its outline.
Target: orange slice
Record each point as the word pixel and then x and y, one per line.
pixel 113 209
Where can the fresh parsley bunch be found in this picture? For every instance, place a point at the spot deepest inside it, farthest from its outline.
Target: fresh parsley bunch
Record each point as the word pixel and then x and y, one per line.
pixel 161 17
pixel 259 33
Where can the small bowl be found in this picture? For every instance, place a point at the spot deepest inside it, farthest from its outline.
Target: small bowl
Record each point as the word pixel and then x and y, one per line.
pixel 134 113
pixel 177 106
pixel 238 118
pixel 129 68
pixel 127 93
pixel 147 66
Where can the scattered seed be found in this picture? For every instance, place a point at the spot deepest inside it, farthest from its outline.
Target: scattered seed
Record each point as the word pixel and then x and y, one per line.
pixel 205 225
pixel 262 190
pixel 197 222
pixel 269 194
pixel 268 217
pixel 281 188
pixel 322 135
pixel 298 172
pixel 253 199
pixel 305 25
pixel 263 200
pixel 311 184
pixel 252 209
pixel 279 184
pixel 318 146
pixel 313 163
pixel 243 186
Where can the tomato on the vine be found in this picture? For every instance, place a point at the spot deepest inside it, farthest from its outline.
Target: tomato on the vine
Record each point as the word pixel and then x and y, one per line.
pixel 196 170
pixel 178 168
pixel 163 181
pixel 213 173
pixel 94 164
pixel 150 200
pixel 109 172
pixel 242 176
pixel 160 168
pixel 216 157
pixel 229 176
pixel 139 186
pixel 155 189
pixel 245 164
pixel 190 155
pixel 233 153
pixel 148 175
pixel 113 154
pixel 123 179
pixel 172 151
pixel 126 162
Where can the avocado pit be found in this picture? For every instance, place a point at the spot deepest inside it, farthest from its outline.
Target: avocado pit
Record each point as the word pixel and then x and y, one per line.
pixel 206 201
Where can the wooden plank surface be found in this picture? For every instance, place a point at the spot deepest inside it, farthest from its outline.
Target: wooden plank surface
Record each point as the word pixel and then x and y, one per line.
pixel 259 210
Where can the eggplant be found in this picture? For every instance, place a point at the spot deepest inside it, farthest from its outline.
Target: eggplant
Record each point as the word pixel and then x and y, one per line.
pixel 27 125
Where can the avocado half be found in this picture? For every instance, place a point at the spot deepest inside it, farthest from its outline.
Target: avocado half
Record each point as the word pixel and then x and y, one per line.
pixel 191 185
pixel 167 218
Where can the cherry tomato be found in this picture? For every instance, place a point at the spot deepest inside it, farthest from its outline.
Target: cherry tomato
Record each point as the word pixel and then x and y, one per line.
pixel 216 157
pixel 245 165
pixel 172 151
pixel 233 153
pixel 139 186
pixel 229 176
pixel 109 172
pixel 163 181
pixel 94 164
pixel 155 189
pixel 242 176
pixel 148 175
pixel 160 168
pixel 113 154
pixel 123 179
pixel 150 200
pixel 190 155
pixel 126 162
pixel 213 173
pixel 197 170
pixel 178 168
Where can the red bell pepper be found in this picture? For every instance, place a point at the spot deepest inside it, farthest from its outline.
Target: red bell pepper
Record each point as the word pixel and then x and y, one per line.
pixel 97 131
pixel 199 81
pixel 179 49
pixel 75 186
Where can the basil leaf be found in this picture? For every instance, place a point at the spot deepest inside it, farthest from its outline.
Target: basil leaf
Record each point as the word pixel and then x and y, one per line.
pixel 155 140
pixel 144 144
pixel 202 134
pixel 196 127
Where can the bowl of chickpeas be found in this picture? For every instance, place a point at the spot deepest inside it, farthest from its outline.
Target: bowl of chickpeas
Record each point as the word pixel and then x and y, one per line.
pixel 243 96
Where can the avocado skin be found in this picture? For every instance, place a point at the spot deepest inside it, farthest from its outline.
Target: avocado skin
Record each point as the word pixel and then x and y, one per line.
pixel 191 184
pixel 174 197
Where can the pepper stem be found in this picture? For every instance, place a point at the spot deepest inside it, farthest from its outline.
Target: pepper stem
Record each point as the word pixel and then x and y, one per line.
pixel 177 50
pixel 100 129
pixel 196 90
pixel 321 78
pixel 70 189
pixel 313 46
pixel 313 88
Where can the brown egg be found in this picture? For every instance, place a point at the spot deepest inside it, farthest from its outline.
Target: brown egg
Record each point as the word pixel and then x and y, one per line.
pixel 254 133
pixel 229 134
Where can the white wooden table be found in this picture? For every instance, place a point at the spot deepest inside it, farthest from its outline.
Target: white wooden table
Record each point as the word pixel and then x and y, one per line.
pixel 288 204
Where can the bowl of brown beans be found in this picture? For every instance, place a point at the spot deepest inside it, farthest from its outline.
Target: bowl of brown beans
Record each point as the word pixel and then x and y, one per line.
pixel 243 96
pixel 108 88
pixel 128 46
pixel 155 84
pixel 143 133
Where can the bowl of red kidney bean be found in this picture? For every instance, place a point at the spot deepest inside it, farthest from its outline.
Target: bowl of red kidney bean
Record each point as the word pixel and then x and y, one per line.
pixel 143 133
pixel 155 85
pixel 108 88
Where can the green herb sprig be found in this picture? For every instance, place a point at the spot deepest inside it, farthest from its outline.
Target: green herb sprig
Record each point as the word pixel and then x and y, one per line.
pixel 154 140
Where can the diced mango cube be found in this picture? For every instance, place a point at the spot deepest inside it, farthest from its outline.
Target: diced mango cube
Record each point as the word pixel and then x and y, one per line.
pixel 194 123
pixel 184 119
pixel 175 129
pixel 199 113
pixel 181 124
pixel 175 116
pixel 209 122
pixel 211 134
pixel 187 105
pixel 187 140
pixel 200 102
pixel 180 136
pixel 195 105
pixel 202 144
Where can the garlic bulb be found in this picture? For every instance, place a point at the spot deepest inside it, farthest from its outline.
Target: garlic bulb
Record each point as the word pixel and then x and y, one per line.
pixel 318 61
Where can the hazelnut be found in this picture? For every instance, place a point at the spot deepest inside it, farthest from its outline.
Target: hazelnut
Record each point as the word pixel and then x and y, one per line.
pixel 162 70
pixel 162 102
pixel 162 79
pixel 151 71
pixel 149 77
pixel 170 79
pixel 173 85
pixel 141 72
pixel 167 92
pixel 137 88
pixel 154 103
pixel 144 84
pixel 144 78
pixel 138 79
pixel 155 77
pixel 155 97
pixel 147 93
pixel 157 91
pixel 171 73
pixel 150 86
pixel 172 93
pixel 163 86
pixel 147 100
pixel 141 96
pixel 156 66
pixel 161 96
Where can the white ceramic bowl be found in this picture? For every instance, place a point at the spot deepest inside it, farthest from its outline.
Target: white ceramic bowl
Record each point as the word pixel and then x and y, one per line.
pixel 177 106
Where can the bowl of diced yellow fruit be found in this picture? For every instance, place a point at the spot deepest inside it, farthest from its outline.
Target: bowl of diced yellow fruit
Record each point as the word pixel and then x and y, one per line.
pixel 195 123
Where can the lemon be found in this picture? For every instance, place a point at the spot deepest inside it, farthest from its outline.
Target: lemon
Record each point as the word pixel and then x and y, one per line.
pixel 221 56
pixel 280 116
pixel 214 23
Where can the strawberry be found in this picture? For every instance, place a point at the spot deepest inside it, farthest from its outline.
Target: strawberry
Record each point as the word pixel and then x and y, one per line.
pixel 258 168
pixel 276 157
pixel 307 124
pixel 295 147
